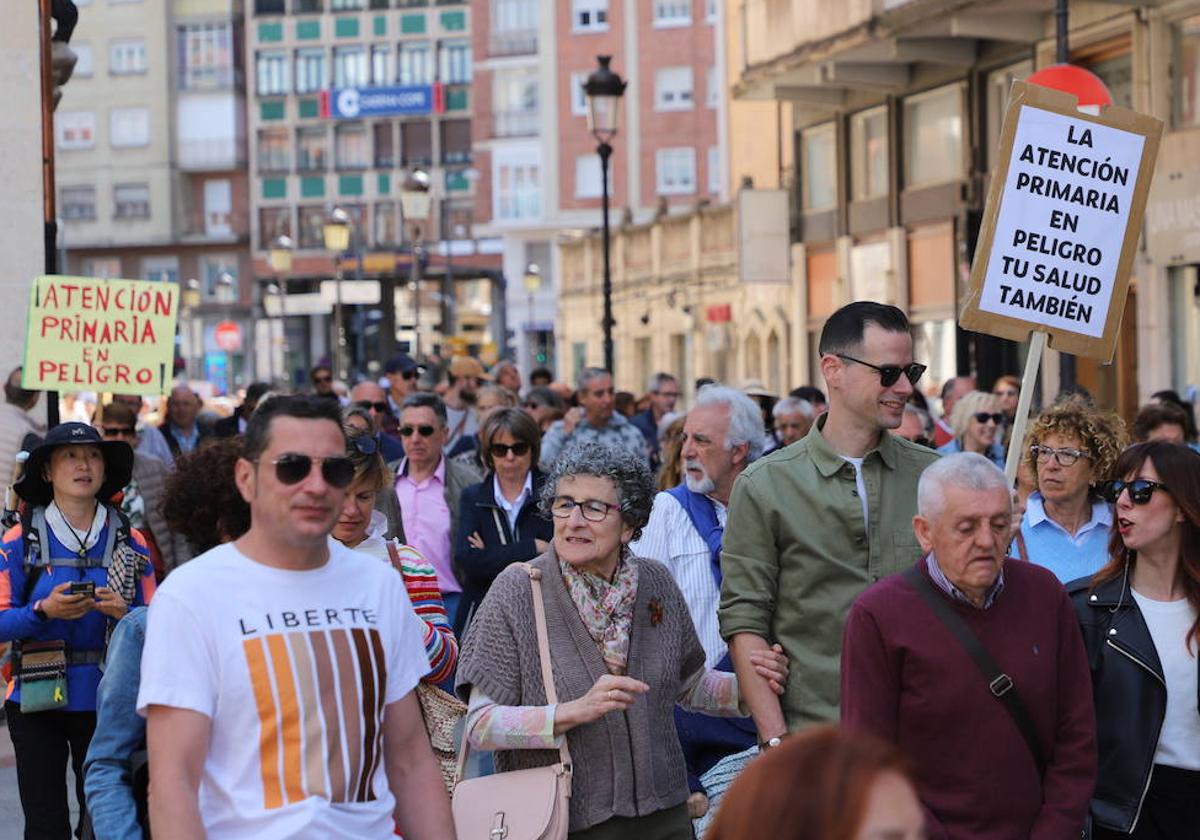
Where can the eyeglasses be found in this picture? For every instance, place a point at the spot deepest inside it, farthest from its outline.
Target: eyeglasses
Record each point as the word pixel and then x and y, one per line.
pixel 1141 490
pixel 368 405
pixel 292 468
pixel 593 510
pixel 1065 457
pixel 322 379
pixel 119 431
pixel 983 417
pixel 1007 393
pixel 423 431
pixel 501 450
pixel 889 375
pixel 671 394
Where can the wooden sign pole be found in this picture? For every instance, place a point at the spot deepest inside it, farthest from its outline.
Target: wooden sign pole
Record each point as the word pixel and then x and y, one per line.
pixel 1016 441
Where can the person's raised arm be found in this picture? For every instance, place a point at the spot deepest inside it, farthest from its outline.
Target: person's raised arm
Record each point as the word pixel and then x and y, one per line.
pixel 177 742
pixel 422 805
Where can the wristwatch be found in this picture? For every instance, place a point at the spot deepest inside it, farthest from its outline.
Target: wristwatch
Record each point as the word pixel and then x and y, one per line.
pixel 770 743
pixel 39 612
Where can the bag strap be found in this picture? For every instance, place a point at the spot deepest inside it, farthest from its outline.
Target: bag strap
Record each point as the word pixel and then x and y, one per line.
pixel 394 556
pixel 999 683
pixel 543 640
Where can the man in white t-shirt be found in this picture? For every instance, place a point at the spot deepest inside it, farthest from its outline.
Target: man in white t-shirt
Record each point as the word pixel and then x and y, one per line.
pixel 278 672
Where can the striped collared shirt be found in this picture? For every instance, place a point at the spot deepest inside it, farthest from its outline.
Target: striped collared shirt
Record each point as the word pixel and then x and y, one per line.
pixel 944 584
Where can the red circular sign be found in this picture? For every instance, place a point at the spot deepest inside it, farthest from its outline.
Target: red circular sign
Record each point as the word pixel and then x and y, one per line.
pixel 1084 85
pixel 228 336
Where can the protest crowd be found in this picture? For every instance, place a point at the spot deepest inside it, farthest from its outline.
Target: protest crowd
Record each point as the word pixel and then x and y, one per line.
pixel 462 602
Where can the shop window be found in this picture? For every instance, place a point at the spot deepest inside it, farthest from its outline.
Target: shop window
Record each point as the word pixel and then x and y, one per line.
pixel 818 148
pixel 869 154
pixel 933 137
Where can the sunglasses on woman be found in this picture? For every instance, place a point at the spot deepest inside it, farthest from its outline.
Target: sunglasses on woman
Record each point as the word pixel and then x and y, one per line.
pixel 422 430
pixel 983 417
pixel 1141 490
pixel 889 375
pixel 292 468
pixel 501 450
pixel 368 405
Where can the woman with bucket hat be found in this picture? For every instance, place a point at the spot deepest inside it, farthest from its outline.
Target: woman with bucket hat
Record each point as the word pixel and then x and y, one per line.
pixel 68 573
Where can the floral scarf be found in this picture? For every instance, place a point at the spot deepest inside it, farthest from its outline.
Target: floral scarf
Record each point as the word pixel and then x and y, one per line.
pixel 606 608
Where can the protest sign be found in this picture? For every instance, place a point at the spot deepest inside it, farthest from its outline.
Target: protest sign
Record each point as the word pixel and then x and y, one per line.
pixel 103 335
pixel 1061 223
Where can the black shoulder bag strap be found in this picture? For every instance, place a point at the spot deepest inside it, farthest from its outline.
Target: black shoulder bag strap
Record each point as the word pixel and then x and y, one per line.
pixel 999 683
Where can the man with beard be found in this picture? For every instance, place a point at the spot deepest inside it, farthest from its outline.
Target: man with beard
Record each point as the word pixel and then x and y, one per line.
pixel 466 376
pixel 722 435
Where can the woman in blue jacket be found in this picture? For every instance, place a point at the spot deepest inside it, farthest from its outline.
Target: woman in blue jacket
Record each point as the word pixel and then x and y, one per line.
pixel 69 572
pixel 499 521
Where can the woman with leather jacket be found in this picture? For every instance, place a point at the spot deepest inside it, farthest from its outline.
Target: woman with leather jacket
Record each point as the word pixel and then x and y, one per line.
pixel 1139 616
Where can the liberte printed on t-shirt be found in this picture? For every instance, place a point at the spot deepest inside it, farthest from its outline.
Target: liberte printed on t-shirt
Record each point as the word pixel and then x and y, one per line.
pixel 295 670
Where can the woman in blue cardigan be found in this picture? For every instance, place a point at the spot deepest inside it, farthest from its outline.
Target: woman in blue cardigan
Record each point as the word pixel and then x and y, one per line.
pixel 499 522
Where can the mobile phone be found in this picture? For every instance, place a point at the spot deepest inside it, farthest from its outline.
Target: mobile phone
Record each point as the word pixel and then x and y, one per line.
pixel 83 587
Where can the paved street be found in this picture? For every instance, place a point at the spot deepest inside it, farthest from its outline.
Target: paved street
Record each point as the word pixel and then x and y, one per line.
pixel 11 822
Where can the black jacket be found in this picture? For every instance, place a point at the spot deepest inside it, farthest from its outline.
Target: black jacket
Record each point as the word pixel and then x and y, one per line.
pixel 1130 693
pixel 480 514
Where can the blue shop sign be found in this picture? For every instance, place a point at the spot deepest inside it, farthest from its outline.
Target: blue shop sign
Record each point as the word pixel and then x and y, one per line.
pixel 356 103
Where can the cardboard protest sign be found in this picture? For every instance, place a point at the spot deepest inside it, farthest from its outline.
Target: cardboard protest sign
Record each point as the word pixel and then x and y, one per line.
pixel 1061 223
pixel 102 335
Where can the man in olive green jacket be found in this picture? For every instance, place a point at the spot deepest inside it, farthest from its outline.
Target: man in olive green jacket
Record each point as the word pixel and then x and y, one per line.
pixel 815 523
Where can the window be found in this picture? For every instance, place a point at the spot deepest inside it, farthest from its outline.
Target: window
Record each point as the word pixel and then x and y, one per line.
pixel 274 150
pixel 215 269
pixel 675 171
pixel 869 154
pixel 416 143
pixel 383 224
pixel 129 127
pixel 415 66
pixel 273 222
pixel 103 267
pixel 579 105
pixel 710 11
pixel 304 7
pixel 218 207
pixel 351 147
pixel 454 62
pixel 933 141
pixel 205 56
pixel 349 67
pixel 587 177
pixel 346 5
pixel 78 202
pixel 589 15
pixel 131 201
pixel 1186 96
pixel 516 187
pixel 312 149
pixel 161 269
pixel 310 69
pixel 271 73
pixel 265 7
pixel 515 102
pixel 999 84
pixel 312 226
pixel 381 65
pixel 673 89
pixel 514 15
pixel 83 59
pixel 456 141
pixel 127 56
pixel 714 170
pixel 385 145
pixel 672 13
pixel 712 91
pixel 818 174
pixel 75 129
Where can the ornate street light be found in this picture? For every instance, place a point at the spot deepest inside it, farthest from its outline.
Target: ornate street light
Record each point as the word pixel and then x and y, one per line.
pixel 603 90
pixel 280 258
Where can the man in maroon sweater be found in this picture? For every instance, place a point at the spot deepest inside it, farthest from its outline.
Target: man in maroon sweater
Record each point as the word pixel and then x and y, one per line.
pixel 906 678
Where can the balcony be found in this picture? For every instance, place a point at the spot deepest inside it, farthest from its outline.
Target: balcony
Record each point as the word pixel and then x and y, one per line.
pixel 210 154
pixel 513 42
pixel 515 123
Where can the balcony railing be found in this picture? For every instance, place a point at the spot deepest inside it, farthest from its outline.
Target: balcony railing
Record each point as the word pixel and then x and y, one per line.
pixel 210 154
pixel 513 42
pixel 515 123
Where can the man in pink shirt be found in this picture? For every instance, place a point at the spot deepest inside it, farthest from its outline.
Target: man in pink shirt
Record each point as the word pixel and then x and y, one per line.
pixel 428 487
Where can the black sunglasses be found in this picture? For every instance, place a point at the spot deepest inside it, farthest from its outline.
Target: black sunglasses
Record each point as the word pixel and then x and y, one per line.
pixel 292 468
pixel 119 431
pixel 406 374
pixel 322 379
pixel 423 431
pixel 984 416
pixel 1141 490
pixel 889 375
pixel 368 405
pixel 501 450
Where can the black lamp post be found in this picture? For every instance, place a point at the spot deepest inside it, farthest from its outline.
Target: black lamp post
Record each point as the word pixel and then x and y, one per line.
pixel 604 89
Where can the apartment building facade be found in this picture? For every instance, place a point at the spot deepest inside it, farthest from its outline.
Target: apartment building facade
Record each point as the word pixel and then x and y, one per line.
pixel 150 163
pixel 350 98
pixel 540 171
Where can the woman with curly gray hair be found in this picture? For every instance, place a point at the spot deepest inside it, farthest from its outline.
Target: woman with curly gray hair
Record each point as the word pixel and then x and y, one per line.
pixel 623 652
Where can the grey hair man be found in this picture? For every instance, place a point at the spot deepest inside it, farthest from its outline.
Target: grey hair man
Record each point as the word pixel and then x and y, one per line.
pixel 916 425
pixel 664 393
pixel 594 421
pixel 793 419
pixel 909 679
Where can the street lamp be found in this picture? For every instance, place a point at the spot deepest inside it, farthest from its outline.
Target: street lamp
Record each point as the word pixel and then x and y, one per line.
pixel 272 291
pixel 336 232
pixel 280 258
pixel 603 90
pixel 415 203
